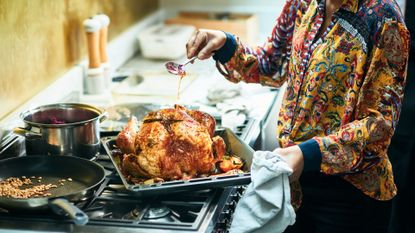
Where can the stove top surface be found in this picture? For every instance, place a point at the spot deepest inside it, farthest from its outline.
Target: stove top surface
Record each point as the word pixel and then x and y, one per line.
pixel 114 208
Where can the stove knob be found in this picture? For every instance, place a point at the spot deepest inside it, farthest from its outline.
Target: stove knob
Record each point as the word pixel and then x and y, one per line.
pixel 241 189
pixel 235 196
pixel 232 205
pixel 222 224
pixel 221 230
pixel 227 215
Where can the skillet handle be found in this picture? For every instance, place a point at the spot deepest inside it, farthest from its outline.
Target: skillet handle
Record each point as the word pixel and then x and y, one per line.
pixel 59 204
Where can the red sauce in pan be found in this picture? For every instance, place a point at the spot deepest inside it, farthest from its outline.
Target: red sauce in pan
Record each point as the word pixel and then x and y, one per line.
pixel 55 120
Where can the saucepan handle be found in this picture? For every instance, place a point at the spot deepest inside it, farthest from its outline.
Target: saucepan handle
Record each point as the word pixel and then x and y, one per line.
pixel 59 204
pixel 103 117
pixel 26 132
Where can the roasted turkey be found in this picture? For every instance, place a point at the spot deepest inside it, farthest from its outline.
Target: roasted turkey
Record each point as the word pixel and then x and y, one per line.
pixel 170 144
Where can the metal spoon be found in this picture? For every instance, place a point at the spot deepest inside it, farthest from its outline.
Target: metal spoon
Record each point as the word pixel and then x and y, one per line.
pixel 178 69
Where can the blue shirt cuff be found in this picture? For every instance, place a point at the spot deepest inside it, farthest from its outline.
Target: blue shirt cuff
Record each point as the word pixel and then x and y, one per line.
pixel 312 155
pixel 225 53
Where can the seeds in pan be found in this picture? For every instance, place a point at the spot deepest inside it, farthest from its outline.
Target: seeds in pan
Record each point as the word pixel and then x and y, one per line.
pixel 69 179
pixel 12 187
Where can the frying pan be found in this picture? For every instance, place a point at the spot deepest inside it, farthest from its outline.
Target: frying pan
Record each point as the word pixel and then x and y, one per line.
pixel 86 177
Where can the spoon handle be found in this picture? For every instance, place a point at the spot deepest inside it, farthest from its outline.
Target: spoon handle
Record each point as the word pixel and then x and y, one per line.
pixel 190 60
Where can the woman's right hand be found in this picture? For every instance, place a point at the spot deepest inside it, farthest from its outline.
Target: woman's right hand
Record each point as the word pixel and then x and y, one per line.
pixel 204 42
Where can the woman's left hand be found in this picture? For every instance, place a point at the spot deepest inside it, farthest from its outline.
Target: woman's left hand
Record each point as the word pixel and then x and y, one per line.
pixel 294 158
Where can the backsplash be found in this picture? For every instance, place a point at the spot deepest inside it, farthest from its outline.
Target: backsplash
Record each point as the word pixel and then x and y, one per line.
pixel 41 39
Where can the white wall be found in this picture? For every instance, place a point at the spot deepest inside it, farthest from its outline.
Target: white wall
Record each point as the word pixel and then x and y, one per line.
pixel 266 10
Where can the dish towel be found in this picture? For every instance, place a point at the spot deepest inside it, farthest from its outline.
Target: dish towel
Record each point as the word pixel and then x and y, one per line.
pixel 266 204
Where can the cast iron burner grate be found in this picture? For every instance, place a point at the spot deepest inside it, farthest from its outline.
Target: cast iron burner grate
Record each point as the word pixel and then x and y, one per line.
pixel 175 212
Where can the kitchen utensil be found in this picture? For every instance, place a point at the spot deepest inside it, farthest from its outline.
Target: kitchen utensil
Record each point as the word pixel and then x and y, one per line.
pixel 92 27
pixel 85 175
pixel 64 129
pixel 234 145
pixel 178 69
pixel 103 37
pixel 94 83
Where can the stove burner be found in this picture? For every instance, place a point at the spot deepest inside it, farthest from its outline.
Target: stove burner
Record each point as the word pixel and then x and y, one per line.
pixel 157 211
pixel 95 212
pixel 134 214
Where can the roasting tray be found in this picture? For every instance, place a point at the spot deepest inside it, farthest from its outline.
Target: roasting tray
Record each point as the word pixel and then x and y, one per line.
pixel 234 145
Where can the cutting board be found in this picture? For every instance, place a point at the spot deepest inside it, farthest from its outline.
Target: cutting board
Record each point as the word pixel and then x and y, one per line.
pixel 153 84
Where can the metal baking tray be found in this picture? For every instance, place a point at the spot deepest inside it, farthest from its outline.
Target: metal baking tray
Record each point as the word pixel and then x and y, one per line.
pixel 234 145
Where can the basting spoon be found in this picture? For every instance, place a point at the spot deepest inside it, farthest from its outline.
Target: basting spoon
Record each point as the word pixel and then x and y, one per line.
pixel 178 69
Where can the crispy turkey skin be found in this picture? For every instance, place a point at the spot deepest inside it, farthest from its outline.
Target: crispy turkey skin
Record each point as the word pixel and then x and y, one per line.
pixel 173 143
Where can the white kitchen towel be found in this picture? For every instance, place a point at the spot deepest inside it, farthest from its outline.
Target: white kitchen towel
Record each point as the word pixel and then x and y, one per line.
pixel 266 204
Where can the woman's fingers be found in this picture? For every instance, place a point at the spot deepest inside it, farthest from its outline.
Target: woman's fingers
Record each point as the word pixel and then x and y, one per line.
pixel 206 52
pixel 190 43
pixel 196 43
pixel 203 42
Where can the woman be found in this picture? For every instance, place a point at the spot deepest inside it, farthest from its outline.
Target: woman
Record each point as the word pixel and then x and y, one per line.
pixel 345 64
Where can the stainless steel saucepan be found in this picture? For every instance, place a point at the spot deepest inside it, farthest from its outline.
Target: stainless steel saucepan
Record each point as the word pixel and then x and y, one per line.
pixel 62 129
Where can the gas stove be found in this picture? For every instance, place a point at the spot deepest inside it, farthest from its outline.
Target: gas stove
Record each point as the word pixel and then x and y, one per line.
pixel 114 209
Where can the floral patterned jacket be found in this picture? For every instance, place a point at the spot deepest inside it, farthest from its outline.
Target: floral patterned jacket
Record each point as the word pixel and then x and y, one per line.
pixel 344 91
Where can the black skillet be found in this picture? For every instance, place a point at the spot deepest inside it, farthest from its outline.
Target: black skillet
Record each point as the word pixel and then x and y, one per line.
pixel 86 177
